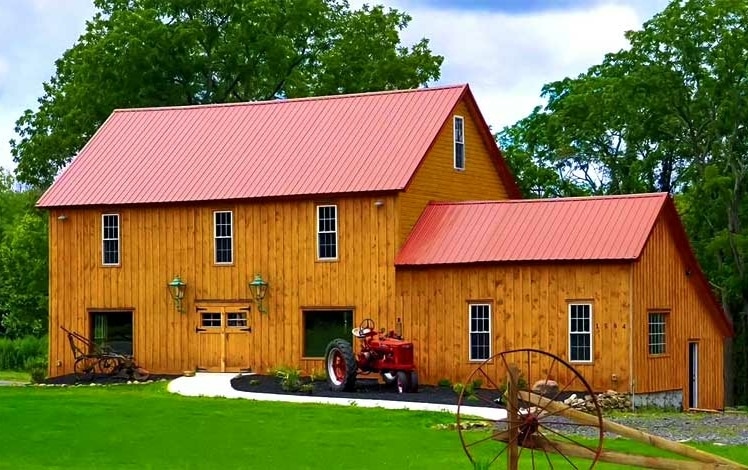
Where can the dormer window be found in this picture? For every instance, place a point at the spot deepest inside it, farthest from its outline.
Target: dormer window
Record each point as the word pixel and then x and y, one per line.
pixel 459 143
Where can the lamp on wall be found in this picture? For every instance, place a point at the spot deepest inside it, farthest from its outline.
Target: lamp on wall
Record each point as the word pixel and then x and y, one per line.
pixel 259 288
pixel 176 289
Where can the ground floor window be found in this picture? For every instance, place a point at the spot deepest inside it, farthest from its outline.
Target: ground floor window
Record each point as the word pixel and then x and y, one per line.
pixel 657 333
pixel 322 326
pixel 112 329
pixel 480 332
pixel 580 332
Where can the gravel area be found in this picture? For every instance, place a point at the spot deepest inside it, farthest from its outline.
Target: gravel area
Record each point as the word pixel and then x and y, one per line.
pixel 716 428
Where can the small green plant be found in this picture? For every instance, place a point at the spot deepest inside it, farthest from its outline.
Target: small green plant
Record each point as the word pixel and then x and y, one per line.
pixel 444 383
pixel 37 367
pixel 467 391
pixel 254 382
pixel 306 388
pixel 476 384
pixel 290 378
pixel 318 375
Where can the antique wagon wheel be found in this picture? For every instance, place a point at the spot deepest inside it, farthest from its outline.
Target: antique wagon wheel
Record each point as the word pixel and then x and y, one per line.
pixel 527 392
pixel 84 368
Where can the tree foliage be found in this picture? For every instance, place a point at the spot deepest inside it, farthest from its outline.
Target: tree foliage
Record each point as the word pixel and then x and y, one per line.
pixel 180 52
pixel 23 262
pixel 667 114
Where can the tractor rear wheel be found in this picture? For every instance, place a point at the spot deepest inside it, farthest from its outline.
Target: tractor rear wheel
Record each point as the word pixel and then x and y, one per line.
pixel 402 384
pixel 340 364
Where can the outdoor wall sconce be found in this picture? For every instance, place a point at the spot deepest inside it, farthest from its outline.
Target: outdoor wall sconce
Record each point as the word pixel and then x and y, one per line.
pixel 176 289
pixel 259 288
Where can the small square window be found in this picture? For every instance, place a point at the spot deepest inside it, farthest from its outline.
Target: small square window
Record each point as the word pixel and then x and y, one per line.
pixel 236 319
pixel 210 319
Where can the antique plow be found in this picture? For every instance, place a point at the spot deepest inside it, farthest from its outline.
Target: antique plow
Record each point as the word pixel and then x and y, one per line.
pixel 534 396
pixel 92 360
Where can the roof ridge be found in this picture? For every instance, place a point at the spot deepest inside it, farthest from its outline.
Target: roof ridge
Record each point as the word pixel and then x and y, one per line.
pixel 551 199
pixel 291 100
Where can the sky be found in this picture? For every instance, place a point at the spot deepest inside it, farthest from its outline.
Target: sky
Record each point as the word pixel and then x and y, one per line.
pixel 505 49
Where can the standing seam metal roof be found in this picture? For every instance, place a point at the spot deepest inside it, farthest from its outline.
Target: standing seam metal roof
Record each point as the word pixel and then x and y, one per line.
pixel 365 142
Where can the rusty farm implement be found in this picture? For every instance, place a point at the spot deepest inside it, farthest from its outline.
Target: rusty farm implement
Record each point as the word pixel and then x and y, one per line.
pixel 93 360
pixel 531 417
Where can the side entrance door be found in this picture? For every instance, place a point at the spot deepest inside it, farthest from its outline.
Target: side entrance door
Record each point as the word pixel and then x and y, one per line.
pixel 693 375
pixel 223 338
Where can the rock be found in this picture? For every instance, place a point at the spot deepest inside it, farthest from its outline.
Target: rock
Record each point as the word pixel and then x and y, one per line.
pixel 546 388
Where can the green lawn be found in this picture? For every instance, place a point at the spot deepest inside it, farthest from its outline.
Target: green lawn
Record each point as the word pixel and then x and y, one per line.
pixel 14 376
pixel 143 426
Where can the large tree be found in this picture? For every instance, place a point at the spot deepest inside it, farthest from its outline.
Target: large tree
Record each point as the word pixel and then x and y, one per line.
pixel 667 114
pixel 181 52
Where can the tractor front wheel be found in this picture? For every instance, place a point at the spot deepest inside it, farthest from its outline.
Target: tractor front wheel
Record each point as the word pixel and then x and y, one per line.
pixel 402 383
pixel 340 365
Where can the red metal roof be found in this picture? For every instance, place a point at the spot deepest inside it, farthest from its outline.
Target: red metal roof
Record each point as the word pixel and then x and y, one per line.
pixel 595 228
pixel 329 145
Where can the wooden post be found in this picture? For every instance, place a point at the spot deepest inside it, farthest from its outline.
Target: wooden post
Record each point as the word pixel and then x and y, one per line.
pixel 512 410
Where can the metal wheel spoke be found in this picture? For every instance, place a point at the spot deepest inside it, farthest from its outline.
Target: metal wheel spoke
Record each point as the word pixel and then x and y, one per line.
pixel 488 378
pixel 493 435
pixel 558 450
pixel 564 436
pixel 560 392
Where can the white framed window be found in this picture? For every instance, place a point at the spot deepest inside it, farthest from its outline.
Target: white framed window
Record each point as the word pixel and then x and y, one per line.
pixel 110 239
pixel 223 224
pixel 327 232
pixel 580 332
pixel 480 332
pixel 657 333
pixel 459 143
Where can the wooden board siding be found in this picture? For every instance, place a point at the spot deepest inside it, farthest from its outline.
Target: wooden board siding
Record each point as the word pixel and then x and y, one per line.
pixel 529 311
pixel 276 239
pixel 437 180
pixel 660 283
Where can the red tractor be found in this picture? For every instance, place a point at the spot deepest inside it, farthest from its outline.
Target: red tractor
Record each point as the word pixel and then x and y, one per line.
pixel 384 353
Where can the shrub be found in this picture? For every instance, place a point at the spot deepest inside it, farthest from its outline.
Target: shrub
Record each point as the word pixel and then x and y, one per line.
pixel 290 377
pixel 37 367
pixel 318 375
pixel 14 353
pixel 445 383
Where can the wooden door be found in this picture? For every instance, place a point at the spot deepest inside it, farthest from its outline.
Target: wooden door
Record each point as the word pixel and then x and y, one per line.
pixel 223 336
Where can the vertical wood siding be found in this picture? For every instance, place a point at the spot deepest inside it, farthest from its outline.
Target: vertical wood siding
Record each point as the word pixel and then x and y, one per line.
pixel 437 180
pixel 661 284
pixel 276 239
pixel 529 304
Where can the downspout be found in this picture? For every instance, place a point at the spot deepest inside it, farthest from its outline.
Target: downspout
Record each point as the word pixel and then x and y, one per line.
pixel 632 381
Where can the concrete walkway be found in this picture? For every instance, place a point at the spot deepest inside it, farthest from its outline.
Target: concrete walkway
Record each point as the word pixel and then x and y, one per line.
pixel 219 385
pixel 11 383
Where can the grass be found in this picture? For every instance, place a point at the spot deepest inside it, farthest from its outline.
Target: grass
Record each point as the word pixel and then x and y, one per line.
pixel 14 376
pixel 144 426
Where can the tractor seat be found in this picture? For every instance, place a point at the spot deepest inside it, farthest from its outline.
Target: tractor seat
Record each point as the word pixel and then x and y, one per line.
pixel 361 332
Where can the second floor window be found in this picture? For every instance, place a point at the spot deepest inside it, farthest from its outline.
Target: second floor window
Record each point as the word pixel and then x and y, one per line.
pixel 110 239
pixel 224 237
pixel 327 232
pixel 459 141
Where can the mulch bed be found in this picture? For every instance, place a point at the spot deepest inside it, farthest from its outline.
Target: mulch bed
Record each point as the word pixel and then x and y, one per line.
pixel 368 389
pixel 101 379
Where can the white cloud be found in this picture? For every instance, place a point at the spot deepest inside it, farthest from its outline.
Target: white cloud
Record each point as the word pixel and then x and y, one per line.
pixel 506 58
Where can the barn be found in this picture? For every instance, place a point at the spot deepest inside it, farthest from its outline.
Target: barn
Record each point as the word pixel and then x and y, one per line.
pixel 330 205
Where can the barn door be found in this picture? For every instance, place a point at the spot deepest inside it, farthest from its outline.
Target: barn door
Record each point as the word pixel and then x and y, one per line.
pixel 209 339
pixel 223 338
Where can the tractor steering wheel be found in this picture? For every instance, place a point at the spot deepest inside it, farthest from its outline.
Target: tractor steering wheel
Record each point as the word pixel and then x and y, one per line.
pixel 366 328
